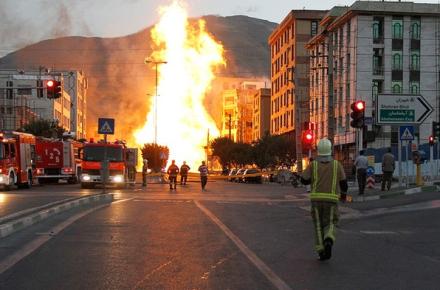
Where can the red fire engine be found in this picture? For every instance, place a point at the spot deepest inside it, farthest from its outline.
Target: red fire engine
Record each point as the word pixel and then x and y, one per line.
pixel 58 160
pixel 92 158
pixel 17 156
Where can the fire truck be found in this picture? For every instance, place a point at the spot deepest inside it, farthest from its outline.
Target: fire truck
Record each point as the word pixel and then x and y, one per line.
pixel 17 156
pixel 58 160
pixel 119 163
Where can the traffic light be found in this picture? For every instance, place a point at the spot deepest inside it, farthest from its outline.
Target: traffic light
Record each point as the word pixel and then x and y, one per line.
pixel 358 114
pixel 58 90
pixel 50 85
pixel 431 140
pixel 54 89
pixel 436 129
pixel 308 139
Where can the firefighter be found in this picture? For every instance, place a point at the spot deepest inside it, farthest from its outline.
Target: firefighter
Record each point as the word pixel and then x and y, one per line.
pixel 327 179
pixel 173 171
pixel 144 172
pixel 184 169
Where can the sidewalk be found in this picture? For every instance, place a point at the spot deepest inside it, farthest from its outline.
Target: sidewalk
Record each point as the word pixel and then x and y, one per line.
pixel 376 192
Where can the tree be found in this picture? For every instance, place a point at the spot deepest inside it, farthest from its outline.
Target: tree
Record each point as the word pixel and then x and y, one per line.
pixel 242 154
pixel 44 128
pixel 222 148
pixel 156 155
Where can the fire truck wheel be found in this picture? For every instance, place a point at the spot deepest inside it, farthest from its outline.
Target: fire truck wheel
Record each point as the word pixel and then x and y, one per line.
pixel 11 182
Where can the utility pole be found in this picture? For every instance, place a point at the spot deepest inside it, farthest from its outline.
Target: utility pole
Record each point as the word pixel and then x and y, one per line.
pixel 298 142
pixel 229 126
pixel 156 64
pixel 331 113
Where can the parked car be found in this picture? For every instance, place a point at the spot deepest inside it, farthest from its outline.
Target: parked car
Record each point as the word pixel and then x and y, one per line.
pixel 231 175
pixel 239 175
pixel 254 178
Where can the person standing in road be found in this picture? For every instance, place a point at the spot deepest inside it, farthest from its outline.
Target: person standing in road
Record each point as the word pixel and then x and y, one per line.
pixel 184 169
pixel 173 171
pixel 361 164
pixel 328 180
pixel 388 166
pixel 203 169
pixel 144 172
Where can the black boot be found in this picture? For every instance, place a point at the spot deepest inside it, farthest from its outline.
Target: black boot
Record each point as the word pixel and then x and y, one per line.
pixel 328 243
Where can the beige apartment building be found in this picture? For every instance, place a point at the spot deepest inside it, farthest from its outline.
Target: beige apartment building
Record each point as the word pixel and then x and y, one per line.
pixel 238 109
pixel 261 114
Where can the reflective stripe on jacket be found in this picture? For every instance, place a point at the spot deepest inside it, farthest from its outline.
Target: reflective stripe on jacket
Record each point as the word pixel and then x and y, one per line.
pixel 331 196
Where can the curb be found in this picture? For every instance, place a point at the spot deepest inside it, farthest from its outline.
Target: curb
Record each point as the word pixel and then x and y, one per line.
pixel 408 191
pixel 21 223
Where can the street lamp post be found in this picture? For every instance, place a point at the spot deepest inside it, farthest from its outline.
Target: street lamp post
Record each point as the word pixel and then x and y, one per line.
pixel 156 64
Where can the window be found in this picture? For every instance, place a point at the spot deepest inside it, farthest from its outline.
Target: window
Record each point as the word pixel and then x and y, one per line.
pixel 414 88
pixel 415 60
pixel 415 29
pixel 314 28
pixel 376 30
pixel 397 60
pixel 396 87
pixel 376 88
pixel 397 28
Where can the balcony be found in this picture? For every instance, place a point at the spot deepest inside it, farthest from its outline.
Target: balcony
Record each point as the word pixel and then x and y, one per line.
pixel 378 70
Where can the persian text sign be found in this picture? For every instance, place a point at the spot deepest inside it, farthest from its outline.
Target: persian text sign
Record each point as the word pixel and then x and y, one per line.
pixel 402 109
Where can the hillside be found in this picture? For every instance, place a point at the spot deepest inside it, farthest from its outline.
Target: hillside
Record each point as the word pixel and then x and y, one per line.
pixel 119 80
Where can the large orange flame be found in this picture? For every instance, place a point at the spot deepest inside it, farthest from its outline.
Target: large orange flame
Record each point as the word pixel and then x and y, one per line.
pixel 191 55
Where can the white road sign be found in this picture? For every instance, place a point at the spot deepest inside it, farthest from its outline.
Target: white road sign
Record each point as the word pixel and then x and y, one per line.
pixel 402 109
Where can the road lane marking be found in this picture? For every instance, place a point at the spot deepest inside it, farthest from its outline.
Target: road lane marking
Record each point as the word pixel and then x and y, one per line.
pixel 29 248
pixel 264 269
pixel 379 232
pixel 138 284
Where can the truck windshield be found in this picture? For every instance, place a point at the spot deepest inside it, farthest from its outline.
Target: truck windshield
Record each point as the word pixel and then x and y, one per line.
pixel 97 154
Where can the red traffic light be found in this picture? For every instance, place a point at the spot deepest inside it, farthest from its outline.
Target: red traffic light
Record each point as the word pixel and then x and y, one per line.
pixel 358 106
pixel 50 84
pixel 309 136
pixel 431 140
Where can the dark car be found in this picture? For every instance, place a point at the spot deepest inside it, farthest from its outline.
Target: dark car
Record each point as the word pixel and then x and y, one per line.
pixel 252 175
pixel 231 175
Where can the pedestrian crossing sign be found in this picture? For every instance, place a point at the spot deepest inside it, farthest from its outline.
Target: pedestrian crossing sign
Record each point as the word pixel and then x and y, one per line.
pixel 406 133
pixel 106 126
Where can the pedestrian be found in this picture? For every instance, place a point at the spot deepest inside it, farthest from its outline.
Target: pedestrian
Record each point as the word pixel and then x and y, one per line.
pixel 203 169
pixel 144 172
pixel 388 166
pixel 328 180
pixel 361 164
pixel 184 169
pixel 173 171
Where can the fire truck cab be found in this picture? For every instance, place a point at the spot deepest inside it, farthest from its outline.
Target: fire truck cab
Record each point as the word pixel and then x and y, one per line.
pixel 17 159
pixel 58 160
pixel 92 158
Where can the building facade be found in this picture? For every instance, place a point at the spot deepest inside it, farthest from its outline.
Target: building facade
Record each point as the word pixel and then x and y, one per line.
pixel 237 117
pixel 261 114
pixel 290 74
pixel 23 98
pixel 368 49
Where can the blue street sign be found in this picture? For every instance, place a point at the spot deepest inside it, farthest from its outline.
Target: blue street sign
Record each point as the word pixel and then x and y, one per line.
pixel 368 120
pixel 106 126
pixel 406 133
pixel 370 170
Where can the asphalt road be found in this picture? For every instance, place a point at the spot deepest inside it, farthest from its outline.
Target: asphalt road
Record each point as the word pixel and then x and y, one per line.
pixel 234 236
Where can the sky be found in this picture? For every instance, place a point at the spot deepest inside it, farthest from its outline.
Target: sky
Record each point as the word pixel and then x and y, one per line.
pixel 24 22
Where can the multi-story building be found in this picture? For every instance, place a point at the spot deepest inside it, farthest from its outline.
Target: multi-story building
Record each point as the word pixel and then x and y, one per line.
pixel 290 72
pixel 237 111
pixel 23 98
pixel 290 66
pixel 373 48
pixel 261 114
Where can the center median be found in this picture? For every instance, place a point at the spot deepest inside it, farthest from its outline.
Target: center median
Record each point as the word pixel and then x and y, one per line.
pixel 17 221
